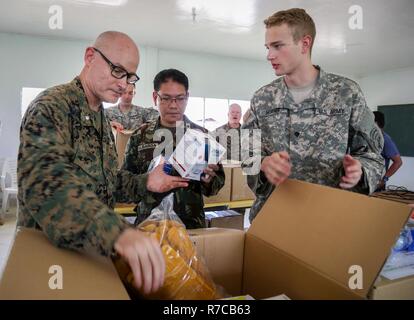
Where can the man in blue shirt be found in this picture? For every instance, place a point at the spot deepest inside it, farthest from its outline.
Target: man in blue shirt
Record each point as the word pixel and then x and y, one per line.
pixel 389 152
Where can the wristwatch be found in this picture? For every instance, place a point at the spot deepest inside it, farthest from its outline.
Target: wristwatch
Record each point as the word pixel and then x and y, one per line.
pixel 385 179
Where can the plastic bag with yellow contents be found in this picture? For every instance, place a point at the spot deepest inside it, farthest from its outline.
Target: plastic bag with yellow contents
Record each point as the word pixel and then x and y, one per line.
pixel 186 275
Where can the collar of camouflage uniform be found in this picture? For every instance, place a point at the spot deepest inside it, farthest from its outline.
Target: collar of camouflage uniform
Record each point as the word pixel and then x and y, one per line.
pixel 319 92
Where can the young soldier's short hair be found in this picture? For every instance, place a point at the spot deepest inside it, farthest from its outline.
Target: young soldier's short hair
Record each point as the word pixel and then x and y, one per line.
pixel 300 23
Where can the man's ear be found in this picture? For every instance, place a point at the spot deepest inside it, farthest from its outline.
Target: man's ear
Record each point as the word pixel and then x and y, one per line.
pixel 89 55
pixel 306 44
pixel 154 97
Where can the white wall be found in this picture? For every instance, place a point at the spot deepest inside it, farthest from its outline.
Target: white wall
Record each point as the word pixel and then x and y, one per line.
pixel 393 87
pixel 28 61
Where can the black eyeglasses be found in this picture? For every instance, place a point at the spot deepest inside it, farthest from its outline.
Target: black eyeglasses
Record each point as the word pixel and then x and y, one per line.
pixel 167 100
pixel 119 72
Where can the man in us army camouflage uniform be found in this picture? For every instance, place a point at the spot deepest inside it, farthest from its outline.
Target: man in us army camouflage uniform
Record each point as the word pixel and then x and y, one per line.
pixel 127 116
pixel 315 126
pixel 67 164
pixel 229 134
pixel 171 95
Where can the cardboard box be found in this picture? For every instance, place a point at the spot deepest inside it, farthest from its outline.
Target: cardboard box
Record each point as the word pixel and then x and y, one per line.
pixel 399 289
pixel 228 219
pixel 303 242
pixel 223 252
pixel 121 141
pixel 224 193
pixel 28 272
pixel 240 188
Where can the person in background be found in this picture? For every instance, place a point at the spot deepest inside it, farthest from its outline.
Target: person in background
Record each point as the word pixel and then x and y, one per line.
pixel 127 116
pixel 229 134
pixel 389 153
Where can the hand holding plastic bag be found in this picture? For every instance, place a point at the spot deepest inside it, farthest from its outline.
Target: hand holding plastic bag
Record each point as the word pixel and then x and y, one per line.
pixel 186 276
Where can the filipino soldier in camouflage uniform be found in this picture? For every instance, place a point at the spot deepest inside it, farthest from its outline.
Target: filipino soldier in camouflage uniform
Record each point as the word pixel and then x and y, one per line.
pixel 125 115
pixel 315 126
pixel 67 164
pixel 171 95
pixel 229 134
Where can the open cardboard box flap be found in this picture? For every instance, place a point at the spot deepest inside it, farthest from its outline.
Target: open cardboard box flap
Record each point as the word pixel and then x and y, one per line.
pixel 307 240
pixel 28 273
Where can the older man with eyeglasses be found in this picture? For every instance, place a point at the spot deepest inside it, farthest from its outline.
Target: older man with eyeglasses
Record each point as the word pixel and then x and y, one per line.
pixel 67 164
pixel 159 137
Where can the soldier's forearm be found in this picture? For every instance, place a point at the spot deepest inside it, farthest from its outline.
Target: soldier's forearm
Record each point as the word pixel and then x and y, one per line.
pixel 373 170
pixel 131 187
pixel 70 215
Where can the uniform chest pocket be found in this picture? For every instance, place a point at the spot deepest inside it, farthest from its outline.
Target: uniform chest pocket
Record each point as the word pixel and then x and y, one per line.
pixel 87 151
pixel 325 133
pixel 138 159
pixel 274 129
pixel 87 160
pixel 331 123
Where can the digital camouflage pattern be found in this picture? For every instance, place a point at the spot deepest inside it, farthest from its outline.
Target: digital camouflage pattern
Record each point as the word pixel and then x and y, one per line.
pixel 317 134
pixel 67 166
pixel 230 139
pixel 188 202
pixel 133 119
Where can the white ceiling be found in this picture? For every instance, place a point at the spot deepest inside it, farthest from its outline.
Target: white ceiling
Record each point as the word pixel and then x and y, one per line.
pixel 233 27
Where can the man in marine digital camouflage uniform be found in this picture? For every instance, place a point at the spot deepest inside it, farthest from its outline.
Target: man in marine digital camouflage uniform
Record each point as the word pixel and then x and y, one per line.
pixel 127 116
pixel 67 164
pixel 315 126
pixel 171 95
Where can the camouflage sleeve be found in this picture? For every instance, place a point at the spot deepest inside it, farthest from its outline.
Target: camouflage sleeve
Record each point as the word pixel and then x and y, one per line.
pixel 150 114
pixel 216 183
pixel 51 189
pixel 131 185
pixel 252 153
pixel 365 144
pixel 109 114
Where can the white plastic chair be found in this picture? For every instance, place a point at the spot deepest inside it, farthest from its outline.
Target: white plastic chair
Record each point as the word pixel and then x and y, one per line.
pixel 8 182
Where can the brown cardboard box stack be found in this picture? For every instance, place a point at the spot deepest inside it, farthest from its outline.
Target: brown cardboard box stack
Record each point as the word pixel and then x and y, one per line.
pixel 224 194
pixel 304 242
pixel 239 188
pixel 228 219
pixel 235 187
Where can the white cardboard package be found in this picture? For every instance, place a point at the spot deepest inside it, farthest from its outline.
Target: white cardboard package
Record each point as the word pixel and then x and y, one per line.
pixel 194 152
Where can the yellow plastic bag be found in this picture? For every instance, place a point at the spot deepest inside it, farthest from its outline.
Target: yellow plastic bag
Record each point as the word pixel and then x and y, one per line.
pixel 186 275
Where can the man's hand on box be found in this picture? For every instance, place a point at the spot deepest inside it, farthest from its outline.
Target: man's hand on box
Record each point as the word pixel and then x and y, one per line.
pixel 160 182
pixel 353 172
pixel 144 256
pixel 209 173
pixel 276 167
pixel 117 125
